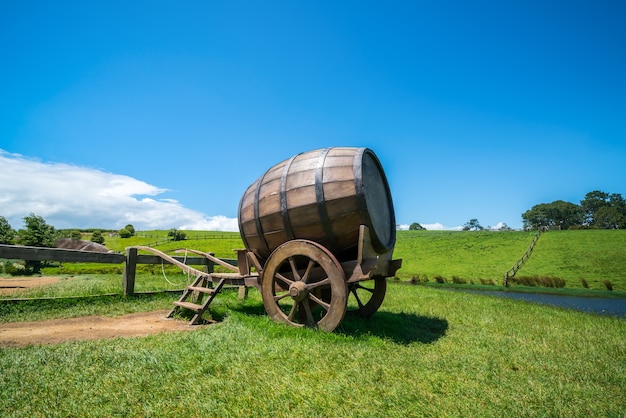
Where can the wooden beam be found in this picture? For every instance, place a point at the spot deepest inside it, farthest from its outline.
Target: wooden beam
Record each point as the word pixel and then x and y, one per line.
pixel 232 266
pixel 18 252
pixel 130 267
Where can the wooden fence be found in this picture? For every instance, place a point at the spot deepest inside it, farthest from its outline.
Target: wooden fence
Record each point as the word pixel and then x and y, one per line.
pixel 130 259
pixel 518 265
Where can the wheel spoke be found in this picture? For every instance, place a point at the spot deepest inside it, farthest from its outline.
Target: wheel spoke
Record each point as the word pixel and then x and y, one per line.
pixel 307 273
pixel 294 269
pixel 356 296
pixel 283 278
pixel 311 286
pixel 292 312
pixel 358 286
pixel 281 296
pixel 319 301
pixel 310 321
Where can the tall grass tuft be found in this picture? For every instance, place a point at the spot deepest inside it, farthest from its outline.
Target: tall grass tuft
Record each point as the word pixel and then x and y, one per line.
pixel 608 285
pixel 545 281
pixel 458 280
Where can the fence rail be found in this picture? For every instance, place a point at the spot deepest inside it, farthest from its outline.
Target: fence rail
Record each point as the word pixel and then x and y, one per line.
pixel 130 259
pixel 518 265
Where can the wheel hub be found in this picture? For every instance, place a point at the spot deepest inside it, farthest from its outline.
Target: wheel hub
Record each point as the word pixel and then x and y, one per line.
pixel 298 291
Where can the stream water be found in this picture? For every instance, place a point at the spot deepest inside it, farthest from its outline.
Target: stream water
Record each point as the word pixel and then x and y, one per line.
pixel 602 306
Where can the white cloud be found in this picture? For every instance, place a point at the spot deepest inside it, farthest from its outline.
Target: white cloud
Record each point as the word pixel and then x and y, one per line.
pixel 69 196
pixel 432 227
pixel 440 227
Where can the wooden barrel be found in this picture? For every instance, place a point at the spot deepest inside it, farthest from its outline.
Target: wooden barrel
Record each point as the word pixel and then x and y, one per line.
pixel 324 196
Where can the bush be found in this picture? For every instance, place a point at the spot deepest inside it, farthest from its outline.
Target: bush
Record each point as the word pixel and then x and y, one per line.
pixel 177 235
pixel 124 233
pixel 97 237
pixel 584 283
pixel 440 279
pixel 130 229
pixel 608 284
pixel 18 268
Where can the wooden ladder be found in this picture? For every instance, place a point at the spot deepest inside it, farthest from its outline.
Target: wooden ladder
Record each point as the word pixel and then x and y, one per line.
pixel 197 286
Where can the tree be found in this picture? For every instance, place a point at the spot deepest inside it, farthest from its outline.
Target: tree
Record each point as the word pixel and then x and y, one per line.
pixel 37 234
pixel 130 229
pixel 604 210
pixel 416 227
pixel 7 234
pixel 559 214
pixel 76 234
pixel 177 235
pixel 97 237
pixel 609 217
pixel 591 203
pixel 619 203
pixel 505 227
pixel 472 225
pixel 124 233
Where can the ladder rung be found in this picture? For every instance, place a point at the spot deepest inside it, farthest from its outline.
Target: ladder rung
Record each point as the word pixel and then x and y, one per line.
pixel 188 305
pixel 201 289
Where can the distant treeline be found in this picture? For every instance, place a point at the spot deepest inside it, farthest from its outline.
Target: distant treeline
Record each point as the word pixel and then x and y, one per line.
pixel 597 210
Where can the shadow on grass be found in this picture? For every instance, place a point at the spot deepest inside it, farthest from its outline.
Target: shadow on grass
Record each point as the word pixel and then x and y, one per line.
pixel 400 328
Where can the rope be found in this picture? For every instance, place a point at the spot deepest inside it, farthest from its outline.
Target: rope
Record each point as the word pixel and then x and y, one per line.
pixel 188 273
pixel 165 276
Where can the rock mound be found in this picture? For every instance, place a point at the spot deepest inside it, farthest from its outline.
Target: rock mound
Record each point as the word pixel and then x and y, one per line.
pixel 82 245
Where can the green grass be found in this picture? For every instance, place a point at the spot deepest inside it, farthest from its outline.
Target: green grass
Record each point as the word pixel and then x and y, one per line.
pixel 594 255
pixel 73 307
pixel 469 255
pixel 222 244
pixel 427 352
pixel 473 257
pixel 103 284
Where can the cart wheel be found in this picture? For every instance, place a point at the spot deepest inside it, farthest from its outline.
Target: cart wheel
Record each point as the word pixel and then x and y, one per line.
pixel 303 284
pixel 368 296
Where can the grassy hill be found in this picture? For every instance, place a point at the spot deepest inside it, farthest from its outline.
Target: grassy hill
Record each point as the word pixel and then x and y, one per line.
pixel 593 255
pixel 451 256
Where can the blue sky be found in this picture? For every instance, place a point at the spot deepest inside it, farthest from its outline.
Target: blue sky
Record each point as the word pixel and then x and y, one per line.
pixel 162 113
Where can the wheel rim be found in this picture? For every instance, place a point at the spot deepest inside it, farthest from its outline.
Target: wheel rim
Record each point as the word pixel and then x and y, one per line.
pixel 303 284
pixel 366 296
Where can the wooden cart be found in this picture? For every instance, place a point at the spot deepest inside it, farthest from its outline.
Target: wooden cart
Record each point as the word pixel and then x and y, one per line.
pixel 318 228
pixel 302 283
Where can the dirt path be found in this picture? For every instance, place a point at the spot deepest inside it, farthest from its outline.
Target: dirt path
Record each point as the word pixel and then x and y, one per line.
pixel 54 331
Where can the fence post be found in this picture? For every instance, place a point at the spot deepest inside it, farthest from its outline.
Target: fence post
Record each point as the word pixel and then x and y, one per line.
pixel 130 267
